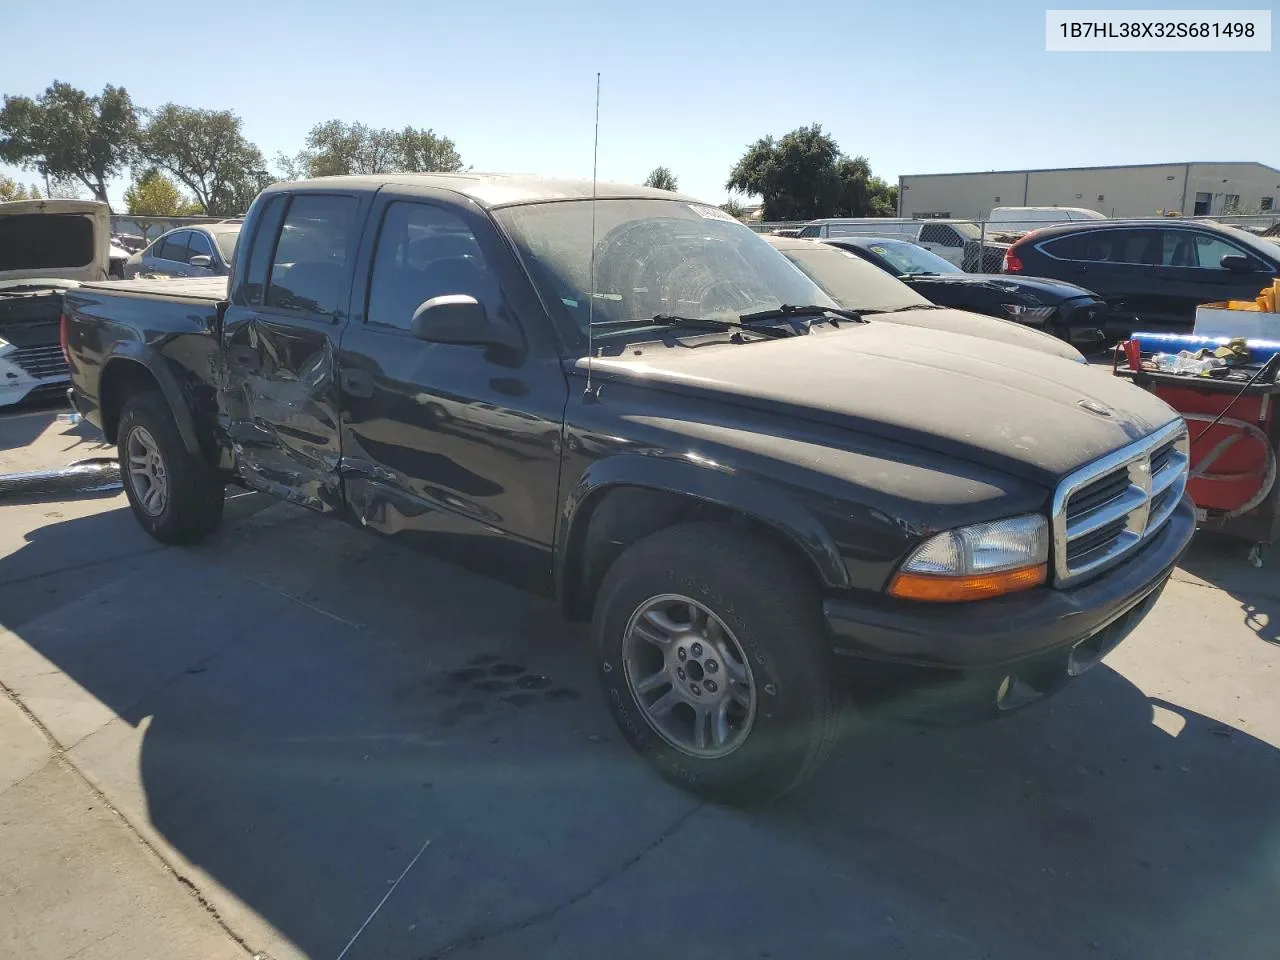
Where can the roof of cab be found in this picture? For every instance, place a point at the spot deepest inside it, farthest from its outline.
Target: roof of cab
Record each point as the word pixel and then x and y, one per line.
pixel 491 189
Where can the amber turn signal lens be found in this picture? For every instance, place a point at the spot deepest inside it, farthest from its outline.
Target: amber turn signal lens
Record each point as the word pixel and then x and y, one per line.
pixel 935 589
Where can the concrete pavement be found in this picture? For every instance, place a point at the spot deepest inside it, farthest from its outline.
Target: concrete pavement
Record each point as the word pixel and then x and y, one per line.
pixel 272 726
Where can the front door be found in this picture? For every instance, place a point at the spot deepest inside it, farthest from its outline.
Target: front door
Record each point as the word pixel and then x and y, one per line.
pixel 280 333
pixel 453 447
pixel 1192 272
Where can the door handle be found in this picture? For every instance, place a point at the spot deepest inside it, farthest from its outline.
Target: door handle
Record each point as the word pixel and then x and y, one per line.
pixel 357 383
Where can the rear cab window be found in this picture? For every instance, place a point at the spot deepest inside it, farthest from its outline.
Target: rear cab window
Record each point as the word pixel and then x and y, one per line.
pixel 309 262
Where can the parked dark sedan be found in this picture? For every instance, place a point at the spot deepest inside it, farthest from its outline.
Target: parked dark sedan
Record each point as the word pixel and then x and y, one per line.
pixel 1067 311
pixel 1158 270
pixel 198 251
pixel 857 285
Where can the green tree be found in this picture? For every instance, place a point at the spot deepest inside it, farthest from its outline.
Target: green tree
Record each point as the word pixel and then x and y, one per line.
pixel 152 194
pixel 207 153
pixel 734 209
pixel 335 148
pixel 68 135
pixel 661 178
pixel 424 151
pixel 804 176
pixel 10 189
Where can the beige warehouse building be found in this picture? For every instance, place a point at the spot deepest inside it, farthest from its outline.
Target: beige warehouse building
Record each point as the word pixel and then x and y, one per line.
pixel 1143 190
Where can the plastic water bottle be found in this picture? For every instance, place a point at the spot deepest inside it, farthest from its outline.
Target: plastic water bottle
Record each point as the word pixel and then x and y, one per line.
pixel 69 418
pixel 1186 363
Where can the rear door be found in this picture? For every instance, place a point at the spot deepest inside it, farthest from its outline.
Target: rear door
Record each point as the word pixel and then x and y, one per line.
pixel 1119 265
pixel 280 335
pixel 453 447
pixel 1192 272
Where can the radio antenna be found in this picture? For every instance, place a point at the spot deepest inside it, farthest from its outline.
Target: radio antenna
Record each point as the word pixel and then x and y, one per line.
pixel 591 301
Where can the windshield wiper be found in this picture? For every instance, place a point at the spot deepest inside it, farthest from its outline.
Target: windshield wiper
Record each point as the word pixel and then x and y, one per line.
pixel 911 306
pixel 788 310
pixel 707 323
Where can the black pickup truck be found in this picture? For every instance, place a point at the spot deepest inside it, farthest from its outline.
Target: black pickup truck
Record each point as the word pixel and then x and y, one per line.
pixel 763 503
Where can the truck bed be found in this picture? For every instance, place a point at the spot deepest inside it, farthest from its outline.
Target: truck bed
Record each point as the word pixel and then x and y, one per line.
pixel 183 288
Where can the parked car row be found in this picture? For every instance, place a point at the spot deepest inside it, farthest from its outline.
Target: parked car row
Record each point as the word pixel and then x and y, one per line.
pixel 858 284
pixel 1079 274
pixel 957 241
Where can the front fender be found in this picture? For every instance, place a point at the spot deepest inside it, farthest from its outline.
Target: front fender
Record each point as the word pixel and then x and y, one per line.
pixel 709 483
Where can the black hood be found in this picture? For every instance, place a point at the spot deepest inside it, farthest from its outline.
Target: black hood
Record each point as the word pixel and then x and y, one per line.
pixel 1043 290
pixel 1031 414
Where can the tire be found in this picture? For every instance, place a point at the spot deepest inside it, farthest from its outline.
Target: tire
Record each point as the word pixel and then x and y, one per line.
pixel 191 505
pixel 770 611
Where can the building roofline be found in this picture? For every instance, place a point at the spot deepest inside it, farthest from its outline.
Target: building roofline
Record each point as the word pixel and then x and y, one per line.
pixel 1112 166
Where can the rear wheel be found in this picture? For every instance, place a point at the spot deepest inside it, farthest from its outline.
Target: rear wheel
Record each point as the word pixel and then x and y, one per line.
pixel 175 495
pixel 715 663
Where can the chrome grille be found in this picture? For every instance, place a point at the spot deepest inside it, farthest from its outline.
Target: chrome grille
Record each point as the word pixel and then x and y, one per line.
pixel 1105 510
pixel 43 363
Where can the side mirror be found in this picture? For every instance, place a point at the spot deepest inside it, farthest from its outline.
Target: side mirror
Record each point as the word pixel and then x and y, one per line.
pixel 1236 263
pixel 202 260
pixel 462 319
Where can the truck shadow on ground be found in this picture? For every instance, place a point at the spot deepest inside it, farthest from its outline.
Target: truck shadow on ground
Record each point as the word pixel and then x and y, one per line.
pixel 294 693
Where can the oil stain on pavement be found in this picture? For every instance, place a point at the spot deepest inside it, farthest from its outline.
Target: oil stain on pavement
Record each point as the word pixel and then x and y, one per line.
pixel 487 680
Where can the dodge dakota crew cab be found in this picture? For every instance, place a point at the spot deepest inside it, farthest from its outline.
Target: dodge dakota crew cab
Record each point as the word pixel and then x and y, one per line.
pixel 762 502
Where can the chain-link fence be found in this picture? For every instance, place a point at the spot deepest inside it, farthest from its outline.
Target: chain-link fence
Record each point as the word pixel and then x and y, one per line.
pixel 976 246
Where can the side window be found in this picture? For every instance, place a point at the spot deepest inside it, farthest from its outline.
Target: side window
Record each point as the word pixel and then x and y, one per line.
pixel 311 254
pixel 1209 251
pixel 198 245
pixel 1137 246
pixel 1179 249
pixel 425 251
pixel 809 231
pixel 264 244
pixel 1092 246
pixel 174 247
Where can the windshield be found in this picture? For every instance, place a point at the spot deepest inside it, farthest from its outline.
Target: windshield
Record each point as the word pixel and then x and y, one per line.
pixel 226 241
pixel 852 282
pixel 651 257
pixel 909 260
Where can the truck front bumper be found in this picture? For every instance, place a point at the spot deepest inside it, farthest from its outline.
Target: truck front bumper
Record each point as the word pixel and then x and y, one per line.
pixel 968 660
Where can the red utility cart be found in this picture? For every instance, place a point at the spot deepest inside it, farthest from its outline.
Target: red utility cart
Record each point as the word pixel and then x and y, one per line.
pixel 1233 461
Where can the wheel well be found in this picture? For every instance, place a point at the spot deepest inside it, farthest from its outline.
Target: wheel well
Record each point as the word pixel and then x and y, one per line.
pixel 616 517
pixel 120 380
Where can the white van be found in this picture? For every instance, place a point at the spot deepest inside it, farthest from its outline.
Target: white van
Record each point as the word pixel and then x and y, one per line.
pixel 946 238
pixel 1022 219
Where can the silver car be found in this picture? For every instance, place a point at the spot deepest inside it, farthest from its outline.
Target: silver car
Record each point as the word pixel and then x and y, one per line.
pixel 197 251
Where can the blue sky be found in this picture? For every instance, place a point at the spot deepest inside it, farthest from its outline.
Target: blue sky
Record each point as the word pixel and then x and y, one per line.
pixel 918 87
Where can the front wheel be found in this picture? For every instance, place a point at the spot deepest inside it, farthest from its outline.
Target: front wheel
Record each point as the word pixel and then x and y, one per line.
pixel 715 663
pixel 174 494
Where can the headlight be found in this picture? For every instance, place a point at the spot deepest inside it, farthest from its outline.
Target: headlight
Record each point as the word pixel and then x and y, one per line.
pixel 975 562
pixel 1017 311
